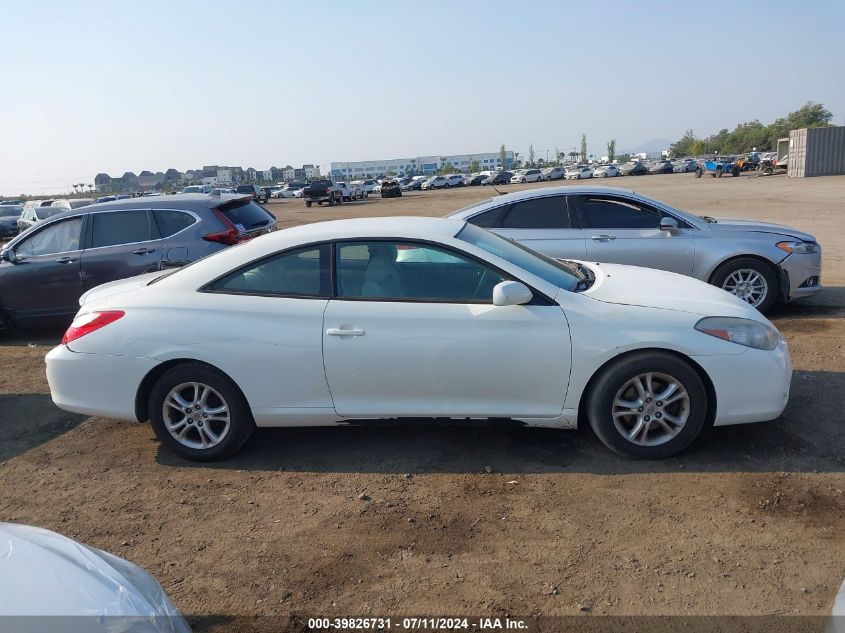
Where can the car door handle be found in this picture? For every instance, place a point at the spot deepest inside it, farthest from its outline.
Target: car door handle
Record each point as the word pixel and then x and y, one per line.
pixel 66 260
pixel 143 251
pixel 603 238
pixel 336 331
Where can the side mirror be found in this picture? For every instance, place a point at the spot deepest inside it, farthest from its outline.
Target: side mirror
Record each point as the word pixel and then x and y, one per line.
pixel 668 224
pixel 9 255
pixel 511 293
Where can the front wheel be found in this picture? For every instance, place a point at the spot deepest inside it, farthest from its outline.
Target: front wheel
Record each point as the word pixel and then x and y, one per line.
pixel 699 173
pixel 649 405
pixel 307 203
pixel 749 279
pixel 199 413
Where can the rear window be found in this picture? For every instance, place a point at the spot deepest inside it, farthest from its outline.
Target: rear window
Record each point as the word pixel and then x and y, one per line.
pixel 245 189
pixel 47 212
pixel 246 216
pixel 171 222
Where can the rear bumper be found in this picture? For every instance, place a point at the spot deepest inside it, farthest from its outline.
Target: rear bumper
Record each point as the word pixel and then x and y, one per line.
pixel 750 387
pixel 96 384
pixel 802 275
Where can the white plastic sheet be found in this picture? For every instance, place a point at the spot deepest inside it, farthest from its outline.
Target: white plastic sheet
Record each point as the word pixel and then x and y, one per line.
pixel 49 583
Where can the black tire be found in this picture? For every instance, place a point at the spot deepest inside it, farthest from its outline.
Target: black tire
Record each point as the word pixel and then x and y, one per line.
pixel 699 173
pixel 307 203
pixel 735 172
pixel 719 173
pixel 724 271
pixel 331 201
pixel 599 404
pixel 241 423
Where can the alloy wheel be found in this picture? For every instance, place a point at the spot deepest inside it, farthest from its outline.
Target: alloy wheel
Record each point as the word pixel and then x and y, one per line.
pixel 747 284
pixel 196 415
pixel 650 409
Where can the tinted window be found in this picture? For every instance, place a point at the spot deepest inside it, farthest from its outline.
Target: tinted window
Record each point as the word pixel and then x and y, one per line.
pixel 609 213
pixel 539 213
pixel 46 212
pixel 413 272
pixel 8 211
pixel 487 219
pixel 171 222
pixel 60 237
pixel 245 189
pixel 246 216
pixel 302 272
pixel 122 227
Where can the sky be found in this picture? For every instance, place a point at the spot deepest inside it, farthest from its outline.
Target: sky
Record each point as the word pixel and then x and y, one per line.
pixel 105 86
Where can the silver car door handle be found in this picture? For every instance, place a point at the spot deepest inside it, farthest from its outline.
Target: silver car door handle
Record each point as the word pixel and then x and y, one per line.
pixel 335 331
pixel 66 260
pixel 602 238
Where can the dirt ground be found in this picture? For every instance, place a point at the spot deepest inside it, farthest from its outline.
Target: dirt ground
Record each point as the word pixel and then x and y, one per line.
pixel 748 521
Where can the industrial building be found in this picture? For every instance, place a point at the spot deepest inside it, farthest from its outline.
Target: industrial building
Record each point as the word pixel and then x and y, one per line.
pixel 816 151
pixel 350 170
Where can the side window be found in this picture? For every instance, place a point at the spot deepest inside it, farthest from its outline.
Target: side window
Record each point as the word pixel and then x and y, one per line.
pixel 303 272
pixel 122 227
pixel 60 237
pixel 538 213
pixel 171 222
pixel 397 271
pixel 610 213
pixel 487 219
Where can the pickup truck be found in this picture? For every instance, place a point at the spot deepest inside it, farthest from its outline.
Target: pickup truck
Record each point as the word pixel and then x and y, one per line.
pixel 321 191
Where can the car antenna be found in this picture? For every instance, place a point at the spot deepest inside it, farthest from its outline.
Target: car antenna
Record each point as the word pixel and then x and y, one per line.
pixel 501 193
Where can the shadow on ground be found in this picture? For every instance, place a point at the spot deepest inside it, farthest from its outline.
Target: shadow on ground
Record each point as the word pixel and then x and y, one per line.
pixel 809 437
pixel 29 420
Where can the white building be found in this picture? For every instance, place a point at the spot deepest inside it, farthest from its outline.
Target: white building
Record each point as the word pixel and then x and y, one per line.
pixel 418 165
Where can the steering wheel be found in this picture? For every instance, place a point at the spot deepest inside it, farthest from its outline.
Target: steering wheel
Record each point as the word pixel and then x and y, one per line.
pixel 481 281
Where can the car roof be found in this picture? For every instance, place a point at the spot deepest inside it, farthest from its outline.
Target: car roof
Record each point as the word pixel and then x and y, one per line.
pixel 186 201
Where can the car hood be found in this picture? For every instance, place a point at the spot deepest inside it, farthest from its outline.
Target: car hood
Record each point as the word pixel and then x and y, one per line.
pixel 118 287
pixel 733 224
pixel 650 288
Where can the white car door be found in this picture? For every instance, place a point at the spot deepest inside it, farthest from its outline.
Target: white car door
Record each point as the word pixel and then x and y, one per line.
pixel 413 332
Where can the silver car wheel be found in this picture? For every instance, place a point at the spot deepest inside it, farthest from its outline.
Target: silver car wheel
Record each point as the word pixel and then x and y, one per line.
pixel 650 409
pixel 747 284
pixel 196 415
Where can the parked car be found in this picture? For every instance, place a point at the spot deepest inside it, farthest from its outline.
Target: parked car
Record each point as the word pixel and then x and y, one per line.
pixel 391 189
pixel 527 175
pixel 474 180
pixel 633 168
pixel 52 582
pixel 410 184
pixel 9 215
pixel 435 182
pixel 498 178
pixel 606 171
pixel 660 167
pixel 579 172
pixel 716 167
pixel 646 369
pixel 369 186
pixel 760 263
pixel 36 211
pixel 684 165
pixel 321 191
pixel 75 251
pixel 349 192
pixel 196 189
pixel 258 194
pixel 289 190
pixel 553 173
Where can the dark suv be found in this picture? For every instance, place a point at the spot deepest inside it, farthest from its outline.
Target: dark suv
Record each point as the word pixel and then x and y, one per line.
pixel 258 194
pixel 44 270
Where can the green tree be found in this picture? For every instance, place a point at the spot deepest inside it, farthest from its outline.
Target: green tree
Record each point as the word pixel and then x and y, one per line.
pixel 531 155
pixel 682 147
pixel 573 155
pixel 502 156
pixel 611 150
pixel 557 156
pixel 474 167
pixel 583 148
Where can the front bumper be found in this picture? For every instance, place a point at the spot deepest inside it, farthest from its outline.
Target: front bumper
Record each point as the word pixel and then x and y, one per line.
pixel 802 275
pixel 750 387
pixel 96 384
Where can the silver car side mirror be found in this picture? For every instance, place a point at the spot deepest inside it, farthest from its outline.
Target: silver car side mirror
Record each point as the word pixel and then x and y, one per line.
pixel 668 224
pixel 511 293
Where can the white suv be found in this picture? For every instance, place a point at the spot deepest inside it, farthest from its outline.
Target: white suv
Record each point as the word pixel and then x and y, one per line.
pixel 527 175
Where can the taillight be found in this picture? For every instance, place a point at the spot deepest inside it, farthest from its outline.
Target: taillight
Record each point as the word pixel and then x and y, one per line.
pixel 230 236
pixel 90 322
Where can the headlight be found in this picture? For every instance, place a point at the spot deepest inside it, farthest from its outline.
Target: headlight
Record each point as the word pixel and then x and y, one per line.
pixel 804 248
pixel 741 331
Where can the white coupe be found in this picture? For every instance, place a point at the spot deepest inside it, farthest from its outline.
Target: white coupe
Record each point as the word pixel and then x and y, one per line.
pixel 390 318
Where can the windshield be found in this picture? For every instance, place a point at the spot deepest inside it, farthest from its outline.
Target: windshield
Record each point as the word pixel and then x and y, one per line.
pixel 9 211
pixel 47 212
pixel 535 263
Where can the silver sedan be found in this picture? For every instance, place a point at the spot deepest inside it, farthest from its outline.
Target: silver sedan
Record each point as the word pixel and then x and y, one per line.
pixel 759 262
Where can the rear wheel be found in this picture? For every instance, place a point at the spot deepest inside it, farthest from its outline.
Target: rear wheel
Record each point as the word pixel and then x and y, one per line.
pixel 307 203
pixel 648 405
pixel 199 413
pixel 749 279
